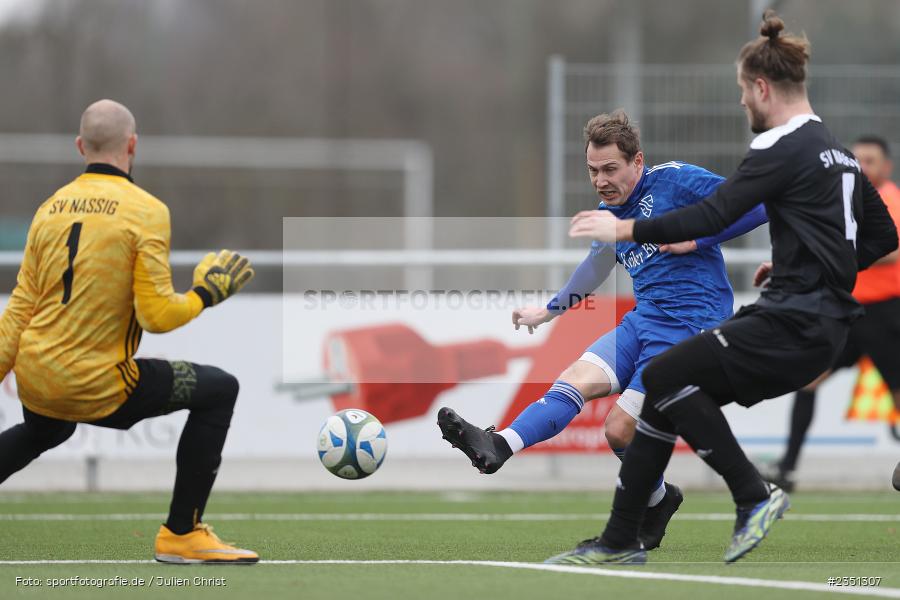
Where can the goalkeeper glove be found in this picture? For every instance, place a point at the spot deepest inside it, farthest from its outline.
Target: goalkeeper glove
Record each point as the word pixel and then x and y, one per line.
pixel 219 276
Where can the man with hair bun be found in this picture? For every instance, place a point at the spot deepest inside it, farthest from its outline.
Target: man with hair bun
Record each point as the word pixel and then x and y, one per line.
pixel 827 222
pixel 876 334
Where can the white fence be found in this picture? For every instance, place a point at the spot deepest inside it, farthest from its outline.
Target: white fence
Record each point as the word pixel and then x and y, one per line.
pixel 691 113
pixel 271 444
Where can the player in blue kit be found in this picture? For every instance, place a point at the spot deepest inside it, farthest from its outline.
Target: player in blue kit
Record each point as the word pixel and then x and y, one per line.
pixel 680 290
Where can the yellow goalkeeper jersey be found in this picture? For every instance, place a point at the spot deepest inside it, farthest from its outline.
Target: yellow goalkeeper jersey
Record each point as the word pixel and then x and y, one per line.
pixel 95 274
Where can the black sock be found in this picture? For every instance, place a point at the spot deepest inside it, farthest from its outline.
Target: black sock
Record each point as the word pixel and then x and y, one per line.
pixel 801 418
pixel 198 459
pixel 644 463
pixel 699 420
pixel 200 447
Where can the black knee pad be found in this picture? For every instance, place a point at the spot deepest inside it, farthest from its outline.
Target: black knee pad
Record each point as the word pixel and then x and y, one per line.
pixel 218 384
pixel 229 386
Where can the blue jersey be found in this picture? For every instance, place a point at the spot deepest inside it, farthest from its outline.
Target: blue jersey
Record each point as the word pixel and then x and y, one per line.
pixel 692 288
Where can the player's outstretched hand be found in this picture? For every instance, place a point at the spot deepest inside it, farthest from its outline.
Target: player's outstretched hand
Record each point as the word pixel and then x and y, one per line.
pixel 531 317
pixel 219 276
pixel 760 278
pixel 679 247
pixel 599 225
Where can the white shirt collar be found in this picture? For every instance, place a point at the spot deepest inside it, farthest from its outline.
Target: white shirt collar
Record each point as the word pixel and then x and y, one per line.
pixel 770 137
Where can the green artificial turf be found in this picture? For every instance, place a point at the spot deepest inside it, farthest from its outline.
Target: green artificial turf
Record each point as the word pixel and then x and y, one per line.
pixel 508 527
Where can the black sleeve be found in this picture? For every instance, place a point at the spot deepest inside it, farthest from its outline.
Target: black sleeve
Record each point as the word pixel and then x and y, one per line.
pixel 758 177
pixel 877 235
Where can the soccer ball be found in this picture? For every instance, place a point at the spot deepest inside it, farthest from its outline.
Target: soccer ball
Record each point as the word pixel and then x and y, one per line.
pixel 352 444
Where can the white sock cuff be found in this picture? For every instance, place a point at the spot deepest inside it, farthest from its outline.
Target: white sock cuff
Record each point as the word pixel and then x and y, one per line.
pixel 513 439
pixel 657 495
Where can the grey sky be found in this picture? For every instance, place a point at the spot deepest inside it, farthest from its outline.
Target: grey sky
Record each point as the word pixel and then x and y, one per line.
pixel 18 9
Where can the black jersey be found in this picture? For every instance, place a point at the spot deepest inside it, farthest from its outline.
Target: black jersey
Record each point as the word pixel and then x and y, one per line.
pixel 826 219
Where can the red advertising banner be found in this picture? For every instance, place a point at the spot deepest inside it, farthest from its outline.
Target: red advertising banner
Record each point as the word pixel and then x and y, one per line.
pixel 572 333
pixel 393 371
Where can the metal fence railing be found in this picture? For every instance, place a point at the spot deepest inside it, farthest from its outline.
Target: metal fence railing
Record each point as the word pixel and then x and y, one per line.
pixel 692 113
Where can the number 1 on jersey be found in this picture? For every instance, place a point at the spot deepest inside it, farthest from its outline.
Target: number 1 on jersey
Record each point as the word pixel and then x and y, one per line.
pixel 69 275
pixel 849 182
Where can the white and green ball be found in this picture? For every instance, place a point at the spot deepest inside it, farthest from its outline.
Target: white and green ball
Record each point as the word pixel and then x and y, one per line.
pixel 352 444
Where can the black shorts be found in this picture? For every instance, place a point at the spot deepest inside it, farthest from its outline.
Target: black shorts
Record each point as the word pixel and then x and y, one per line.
pixel 876 335
pixel 768 352
pixel 150 397
pixel 163 387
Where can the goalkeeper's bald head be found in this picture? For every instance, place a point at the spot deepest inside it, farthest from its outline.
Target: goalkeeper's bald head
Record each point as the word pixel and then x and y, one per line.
pixel 108 133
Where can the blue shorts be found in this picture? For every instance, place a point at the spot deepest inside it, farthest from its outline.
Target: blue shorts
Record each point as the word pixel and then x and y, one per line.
pixel 626 350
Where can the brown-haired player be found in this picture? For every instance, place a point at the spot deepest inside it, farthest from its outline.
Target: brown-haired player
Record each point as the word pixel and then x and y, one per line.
pixel 94 276
pixel 676 297
pixel 826 223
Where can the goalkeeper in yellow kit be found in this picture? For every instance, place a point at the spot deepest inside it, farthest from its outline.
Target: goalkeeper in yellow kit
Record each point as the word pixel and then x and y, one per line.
pixel 94 276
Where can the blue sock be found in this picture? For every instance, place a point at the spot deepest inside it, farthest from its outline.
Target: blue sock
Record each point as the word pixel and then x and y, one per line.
pixel 659 489
pixel 549 415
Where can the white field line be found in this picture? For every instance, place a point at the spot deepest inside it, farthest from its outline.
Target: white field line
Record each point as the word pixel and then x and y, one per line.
pixel 818 518
pixel 459 497
pixel 594 571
